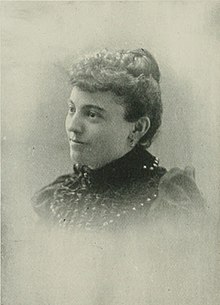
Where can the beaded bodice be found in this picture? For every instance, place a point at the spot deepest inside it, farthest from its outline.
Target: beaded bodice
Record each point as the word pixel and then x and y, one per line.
pixel 113 196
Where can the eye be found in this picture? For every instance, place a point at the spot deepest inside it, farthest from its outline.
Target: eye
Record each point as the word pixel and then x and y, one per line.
pixel 71 109
pixel 92 114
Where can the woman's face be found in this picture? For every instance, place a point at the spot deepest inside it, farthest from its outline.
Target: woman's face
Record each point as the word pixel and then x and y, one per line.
pixel 96 128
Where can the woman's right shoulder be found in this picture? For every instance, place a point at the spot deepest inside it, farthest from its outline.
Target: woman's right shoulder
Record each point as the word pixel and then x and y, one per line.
pixel 42 199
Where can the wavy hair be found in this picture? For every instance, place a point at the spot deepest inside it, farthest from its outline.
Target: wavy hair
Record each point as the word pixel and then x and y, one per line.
pixel 131 74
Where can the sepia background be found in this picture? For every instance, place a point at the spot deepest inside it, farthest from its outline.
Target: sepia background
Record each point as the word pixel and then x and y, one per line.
pixel 39 40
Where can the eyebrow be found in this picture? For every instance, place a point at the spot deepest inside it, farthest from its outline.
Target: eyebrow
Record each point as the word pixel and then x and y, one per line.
pixel 88 106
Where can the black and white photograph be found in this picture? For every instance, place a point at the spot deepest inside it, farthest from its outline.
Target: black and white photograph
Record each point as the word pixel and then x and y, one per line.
pixel 110 152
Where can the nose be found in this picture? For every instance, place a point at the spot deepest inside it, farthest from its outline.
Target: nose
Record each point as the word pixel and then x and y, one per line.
pixel 74 123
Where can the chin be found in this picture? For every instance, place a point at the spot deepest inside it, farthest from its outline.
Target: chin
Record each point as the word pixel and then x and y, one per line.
pixel 76 157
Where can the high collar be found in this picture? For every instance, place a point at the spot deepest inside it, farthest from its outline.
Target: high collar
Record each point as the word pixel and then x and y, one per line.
pixel 135 164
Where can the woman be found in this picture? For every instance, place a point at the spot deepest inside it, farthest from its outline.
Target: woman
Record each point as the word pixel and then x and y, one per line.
pixel 114 112
pixel 144 244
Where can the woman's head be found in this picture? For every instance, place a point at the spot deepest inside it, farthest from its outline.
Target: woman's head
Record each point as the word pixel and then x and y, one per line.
pixel 129 79
pixel 133 75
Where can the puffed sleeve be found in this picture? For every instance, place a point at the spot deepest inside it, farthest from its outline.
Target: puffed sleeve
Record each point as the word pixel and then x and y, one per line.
pixel 178 196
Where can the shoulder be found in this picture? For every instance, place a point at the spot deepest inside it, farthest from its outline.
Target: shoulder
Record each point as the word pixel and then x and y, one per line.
pixel 178 194
pixel 180 184
pixel 42 199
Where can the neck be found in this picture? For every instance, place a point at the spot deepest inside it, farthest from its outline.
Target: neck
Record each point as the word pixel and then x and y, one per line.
pixel 136 164
pixel 99 165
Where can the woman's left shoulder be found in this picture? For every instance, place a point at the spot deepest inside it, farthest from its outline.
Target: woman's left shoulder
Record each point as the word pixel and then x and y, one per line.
pixel 180 184
pixel 178 191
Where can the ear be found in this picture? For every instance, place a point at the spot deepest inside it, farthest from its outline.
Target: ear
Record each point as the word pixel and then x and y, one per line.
pixel 141 127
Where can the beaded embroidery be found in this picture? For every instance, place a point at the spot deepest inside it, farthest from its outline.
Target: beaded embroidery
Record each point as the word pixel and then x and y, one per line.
pixel 104 198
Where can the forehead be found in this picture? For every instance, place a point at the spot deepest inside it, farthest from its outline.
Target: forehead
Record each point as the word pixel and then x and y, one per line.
pixel 105 100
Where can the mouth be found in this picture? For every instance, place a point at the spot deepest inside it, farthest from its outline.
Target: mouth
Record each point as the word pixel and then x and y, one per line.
pixel 75 141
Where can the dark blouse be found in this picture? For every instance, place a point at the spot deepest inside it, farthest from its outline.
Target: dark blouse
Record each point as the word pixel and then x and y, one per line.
pixel 124 192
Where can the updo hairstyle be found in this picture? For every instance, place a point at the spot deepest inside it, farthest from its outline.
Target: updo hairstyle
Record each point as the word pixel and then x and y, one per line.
pixel 133 75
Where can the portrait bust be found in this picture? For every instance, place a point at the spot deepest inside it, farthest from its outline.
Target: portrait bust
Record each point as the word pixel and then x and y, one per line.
pixel 114 112
pixel 107 108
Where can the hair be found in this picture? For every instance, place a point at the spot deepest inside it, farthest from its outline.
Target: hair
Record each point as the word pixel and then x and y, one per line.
pixel 131 74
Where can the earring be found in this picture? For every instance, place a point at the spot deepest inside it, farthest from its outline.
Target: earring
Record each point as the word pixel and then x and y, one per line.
pixel 131 141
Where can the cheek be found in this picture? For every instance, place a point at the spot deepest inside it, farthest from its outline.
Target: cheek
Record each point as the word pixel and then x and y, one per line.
pixel 111 138
pixel 108 136
pixel 101 138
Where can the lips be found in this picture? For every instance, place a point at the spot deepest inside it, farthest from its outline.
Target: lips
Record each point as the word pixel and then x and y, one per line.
pixel 76 141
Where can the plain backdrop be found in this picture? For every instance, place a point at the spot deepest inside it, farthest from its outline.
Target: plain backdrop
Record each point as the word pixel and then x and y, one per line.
pixel 39 41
